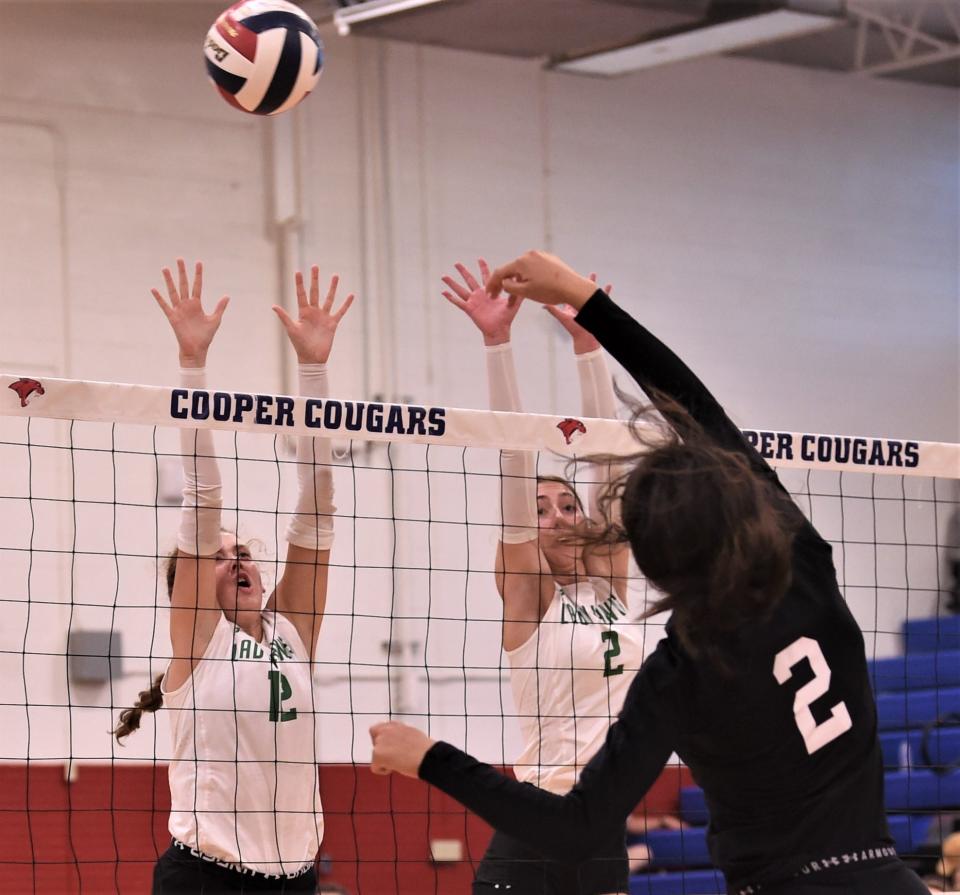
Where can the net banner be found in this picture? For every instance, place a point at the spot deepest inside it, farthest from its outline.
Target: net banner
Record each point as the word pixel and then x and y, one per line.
pixel 91 482
pixel 381 421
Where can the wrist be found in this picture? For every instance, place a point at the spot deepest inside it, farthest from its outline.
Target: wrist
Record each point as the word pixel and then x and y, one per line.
pixel 579 291
pixel 193 377
pixel 193 361
pixel 583 345
pixel 498 338
pixel 305 360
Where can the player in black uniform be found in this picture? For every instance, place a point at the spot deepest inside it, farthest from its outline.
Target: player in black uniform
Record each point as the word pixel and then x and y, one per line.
pixel 760 685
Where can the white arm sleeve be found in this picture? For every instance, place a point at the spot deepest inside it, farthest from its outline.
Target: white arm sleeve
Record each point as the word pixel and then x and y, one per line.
pixel 518 483
pixel 199 533
pixel 311 525
pixel 598 401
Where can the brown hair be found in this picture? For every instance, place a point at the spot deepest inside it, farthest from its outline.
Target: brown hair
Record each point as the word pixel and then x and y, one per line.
pixel 706 530
pixel 151 700
pixel 147 700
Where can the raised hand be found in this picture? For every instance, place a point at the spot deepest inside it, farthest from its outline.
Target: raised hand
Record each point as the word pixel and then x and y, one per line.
pixel 492 314
pixel 583 341
pixel 311 334
pixel 192 326
pixel 544 278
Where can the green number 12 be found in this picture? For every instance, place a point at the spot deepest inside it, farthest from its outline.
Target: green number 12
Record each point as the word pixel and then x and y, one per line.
pixel 280 690
pixel 613 650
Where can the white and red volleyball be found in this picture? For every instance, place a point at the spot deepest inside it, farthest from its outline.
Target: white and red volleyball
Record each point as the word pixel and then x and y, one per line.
pixel 264 56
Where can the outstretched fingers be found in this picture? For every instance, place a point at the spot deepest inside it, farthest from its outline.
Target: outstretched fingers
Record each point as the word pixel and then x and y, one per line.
pixel 221 307
pixel 456 288
pixel 455 300
pixel 285 318
pixel 171 287
pixel 180 290
pixel 331 292
pixel 484 270
pixel 184 281
pixel 338 316
pixel 197 281
pixel 163 305
pixel 302 300
pixel 468 277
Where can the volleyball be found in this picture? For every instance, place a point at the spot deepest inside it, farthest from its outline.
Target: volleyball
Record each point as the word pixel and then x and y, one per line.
pixel 264 56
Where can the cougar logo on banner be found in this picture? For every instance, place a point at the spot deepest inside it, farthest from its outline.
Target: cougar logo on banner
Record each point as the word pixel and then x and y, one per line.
pixel 570 427
pixel 25 388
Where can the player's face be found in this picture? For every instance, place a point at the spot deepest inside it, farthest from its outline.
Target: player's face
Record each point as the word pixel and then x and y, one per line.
pixel 557 510
pixel 239 585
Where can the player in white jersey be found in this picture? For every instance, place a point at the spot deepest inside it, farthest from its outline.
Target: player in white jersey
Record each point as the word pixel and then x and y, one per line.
pixel 245 808
pixel 567 632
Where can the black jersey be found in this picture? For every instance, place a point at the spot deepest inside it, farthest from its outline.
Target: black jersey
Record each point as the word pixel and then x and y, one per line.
pixel 784 743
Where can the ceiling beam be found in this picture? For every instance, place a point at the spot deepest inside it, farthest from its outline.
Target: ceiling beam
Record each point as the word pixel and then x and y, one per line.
pixel 908 40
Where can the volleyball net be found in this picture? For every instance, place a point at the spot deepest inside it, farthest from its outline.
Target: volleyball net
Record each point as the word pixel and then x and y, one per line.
pixel 90 489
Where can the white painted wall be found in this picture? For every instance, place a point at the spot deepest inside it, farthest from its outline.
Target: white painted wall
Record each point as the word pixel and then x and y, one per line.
pixel 792 233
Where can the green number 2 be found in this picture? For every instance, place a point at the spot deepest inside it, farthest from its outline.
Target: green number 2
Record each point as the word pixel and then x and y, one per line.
pixel 280 690
pixel 612 652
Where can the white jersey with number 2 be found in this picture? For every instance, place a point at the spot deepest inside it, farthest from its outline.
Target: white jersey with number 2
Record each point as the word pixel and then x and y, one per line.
pixel 569 681
pixel 243 779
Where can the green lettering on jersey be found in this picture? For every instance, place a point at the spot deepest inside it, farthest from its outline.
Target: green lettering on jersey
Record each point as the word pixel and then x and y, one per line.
pixel 613 650
pixel 280 691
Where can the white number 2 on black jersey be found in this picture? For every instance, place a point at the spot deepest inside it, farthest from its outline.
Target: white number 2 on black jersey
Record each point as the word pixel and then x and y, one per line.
pixel 815 736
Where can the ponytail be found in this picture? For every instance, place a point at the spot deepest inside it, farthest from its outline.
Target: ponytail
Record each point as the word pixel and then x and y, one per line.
pixel 148 701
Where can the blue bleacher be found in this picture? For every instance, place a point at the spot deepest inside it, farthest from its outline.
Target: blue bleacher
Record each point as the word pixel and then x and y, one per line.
pixel 926 635
pixel 913 790
pixel 690 882
pixel 918 671
pixel 678 848
pixel 921 790
pixel 693 806
pixel 915 708
pixel 903 749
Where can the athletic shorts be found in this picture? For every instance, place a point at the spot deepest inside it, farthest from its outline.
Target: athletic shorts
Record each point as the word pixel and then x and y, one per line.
pixel 178 872
pixel 509 866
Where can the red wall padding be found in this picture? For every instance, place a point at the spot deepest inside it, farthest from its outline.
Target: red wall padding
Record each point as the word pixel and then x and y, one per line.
pixel 102 833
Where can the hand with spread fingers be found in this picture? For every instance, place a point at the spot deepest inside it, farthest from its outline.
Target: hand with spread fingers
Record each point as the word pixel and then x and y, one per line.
pixel 543 278
pixel 192 326
pixel 398 748
pixel 493 314
pixel 312 333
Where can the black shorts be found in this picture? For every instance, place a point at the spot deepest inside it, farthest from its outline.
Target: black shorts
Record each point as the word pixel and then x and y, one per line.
pixel 891 877
pixel 509 866
pixel 178 872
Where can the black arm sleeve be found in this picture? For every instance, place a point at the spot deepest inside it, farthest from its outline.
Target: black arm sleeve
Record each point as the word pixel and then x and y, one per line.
pixel 657 369
pixel 569 827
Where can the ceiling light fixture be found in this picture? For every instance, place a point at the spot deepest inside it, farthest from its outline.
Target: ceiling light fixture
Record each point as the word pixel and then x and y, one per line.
pixel 348 16
pixel 699 41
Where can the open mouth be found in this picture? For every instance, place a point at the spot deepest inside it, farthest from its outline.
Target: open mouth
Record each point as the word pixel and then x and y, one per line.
pixel 243 581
